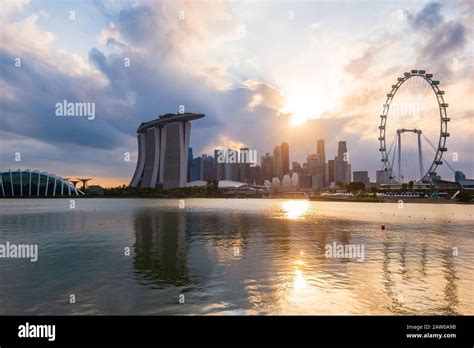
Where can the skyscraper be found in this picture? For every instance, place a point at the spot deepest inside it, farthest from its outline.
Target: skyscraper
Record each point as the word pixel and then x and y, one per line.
pixel 361 176
pixel 267 167
pixel 244 165
pixel 277 163
pixel 163 151
pixel 341 150
pixel 196 169
pixel 208 168
pixel 219 167
pixel 321 151
pixel 342 168
pixel 296 168
pixel 255 175
pixel 330 172
pixel 317 164
pixel 285 158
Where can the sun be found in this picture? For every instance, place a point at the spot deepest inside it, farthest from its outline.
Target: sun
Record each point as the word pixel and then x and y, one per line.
pixel 302 107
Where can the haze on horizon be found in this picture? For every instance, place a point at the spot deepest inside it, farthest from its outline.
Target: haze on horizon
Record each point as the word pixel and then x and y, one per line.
pixel 262 72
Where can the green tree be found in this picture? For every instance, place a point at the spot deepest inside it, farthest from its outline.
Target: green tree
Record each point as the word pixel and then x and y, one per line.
pixel 212 187
pixel 404 187
pixel 355 186
pixel 465 196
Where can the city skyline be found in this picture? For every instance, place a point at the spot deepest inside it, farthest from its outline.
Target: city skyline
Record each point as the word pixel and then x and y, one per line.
pixel 315 83
pixel 316 173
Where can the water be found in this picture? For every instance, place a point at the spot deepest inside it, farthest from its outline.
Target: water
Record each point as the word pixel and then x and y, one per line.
pixel 236 256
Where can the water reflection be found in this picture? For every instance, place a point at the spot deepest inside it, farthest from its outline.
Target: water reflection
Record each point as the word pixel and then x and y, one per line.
pixel 262 264
pixel 408 293
pixel 160 248
pixel 235 257
pixel 299 282
pixel 295 209
pixel 451 297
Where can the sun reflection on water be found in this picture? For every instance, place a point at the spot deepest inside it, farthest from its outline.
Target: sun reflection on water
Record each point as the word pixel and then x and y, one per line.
pixel 299 281
pixel 295 209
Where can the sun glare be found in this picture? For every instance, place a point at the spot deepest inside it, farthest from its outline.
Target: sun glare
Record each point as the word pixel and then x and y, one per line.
pixel 295 209
pixel 302 107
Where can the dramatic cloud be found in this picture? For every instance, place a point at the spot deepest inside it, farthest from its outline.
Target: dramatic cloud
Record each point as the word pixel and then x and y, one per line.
pixel 442 40
pixel 141 59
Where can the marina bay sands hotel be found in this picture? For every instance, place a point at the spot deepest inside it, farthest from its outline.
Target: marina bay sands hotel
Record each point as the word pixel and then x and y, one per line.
pixel 163 151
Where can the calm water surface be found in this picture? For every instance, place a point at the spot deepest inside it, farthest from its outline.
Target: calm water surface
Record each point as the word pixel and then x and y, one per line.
pixel 236 256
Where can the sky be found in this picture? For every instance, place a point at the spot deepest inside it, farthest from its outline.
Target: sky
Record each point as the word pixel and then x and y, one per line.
pixel 263 72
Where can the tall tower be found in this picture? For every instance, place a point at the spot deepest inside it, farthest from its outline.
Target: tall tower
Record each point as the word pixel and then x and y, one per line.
pixel 321 151
pixel 285 158
pixel 163 146
pixel 342 168
pixel 341 149
pixel 244 167
pixel 277 168
pixel 219 167
pixel 267 167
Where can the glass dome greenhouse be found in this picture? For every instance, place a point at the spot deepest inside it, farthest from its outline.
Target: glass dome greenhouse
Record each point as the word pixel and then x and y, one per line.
pixel 27 183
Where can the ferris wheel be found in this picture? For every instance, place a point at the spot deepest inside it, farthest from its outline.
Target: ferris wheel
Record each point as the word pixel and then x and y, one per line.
pixel 413 128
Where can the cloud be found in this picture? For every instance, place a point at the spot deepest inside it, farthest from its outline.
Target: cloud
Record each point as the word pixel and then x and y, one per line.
pixel 157 81
pixel 358 66
pixel 190 62
pixel 428 18
pixel 450 38
pixel 441 40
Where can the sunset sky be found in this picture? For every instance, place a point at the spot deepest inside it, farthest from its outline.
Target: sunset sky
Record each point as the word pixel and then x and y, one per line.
pixel 263 72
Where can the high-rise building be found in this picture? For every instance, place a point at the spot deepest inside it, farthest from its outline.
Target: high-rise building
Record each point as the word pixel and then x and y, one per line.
pixel 330 172
pixel 317 182
pixel 316 166
pixel 296 168
pixel 321 151
pixel 163 146
pixel 219 167
pixel 234 172
pixel 227 166
pixel 244 165
pixel 208 168
pixel 285 158
pixel 341 150
pixel 277 163
pixel 227 171
pixel 196 169
pixel 312 162
pixel 305 181
pixel 361 176
pixel 342 168
pixel 255 176
pixel 381 177
pixel 267 167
